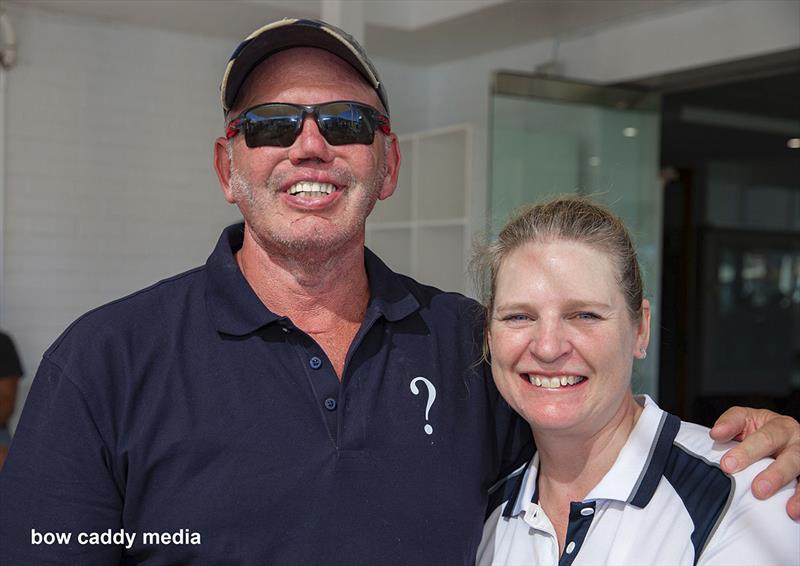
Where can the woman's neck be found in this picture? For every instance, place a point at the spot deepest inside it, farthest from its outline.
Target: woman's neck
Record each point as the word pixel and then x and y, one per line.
pixel 572 463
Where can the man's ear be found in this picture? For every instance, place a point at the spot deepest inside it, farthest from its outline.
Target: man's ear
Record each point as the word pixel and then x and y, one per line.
pixel 392 168
pixel 222 166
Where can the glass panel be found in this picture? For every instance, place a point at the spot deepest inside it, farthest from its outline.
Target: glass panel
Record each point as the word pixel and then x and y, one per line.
pixel 752 325
pixel 748 196
pixel 541 148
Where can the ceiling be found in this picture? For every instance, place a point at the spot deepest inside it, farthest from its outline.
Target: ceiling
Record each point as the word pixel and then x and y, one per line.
pixel 412 31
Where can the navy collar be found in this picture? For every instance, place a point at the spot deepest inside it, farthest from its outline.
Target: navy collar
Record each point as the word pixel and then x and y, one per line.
pixel 235 309
pixel 634 477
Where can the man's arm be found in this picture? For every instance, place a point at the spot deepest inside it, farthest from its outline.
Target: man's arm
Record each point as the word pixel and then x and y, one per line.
pixel 763 433
pixel 57 479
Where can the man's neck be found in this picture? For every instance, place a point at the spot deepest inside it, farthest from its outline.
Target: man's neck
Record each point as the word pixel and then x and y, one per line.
pixel 324 293
pixel 314 285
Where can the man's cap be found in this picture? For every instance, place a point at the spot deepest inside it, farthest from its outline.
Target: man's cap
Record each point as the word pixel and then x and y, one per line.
pixel 293 32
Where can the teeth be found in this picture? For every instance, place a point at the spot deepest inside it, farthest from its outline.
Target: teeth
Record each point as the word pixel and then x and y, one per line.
pixel 307 188
pixel 555 382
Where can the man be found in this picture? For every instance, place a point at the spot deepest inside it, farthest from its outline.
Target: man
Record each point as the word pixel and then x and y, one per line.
pixel 291 402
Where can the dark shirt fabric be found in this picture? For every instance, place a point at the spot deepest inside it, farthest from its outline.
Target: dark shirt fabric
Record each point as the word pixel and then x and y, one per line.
pixel 189 407
pixel 10 365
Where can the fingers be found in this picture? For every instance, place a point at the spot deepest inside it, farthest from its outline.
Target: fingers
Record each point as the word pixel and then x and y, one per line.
pixel 756 446
pixel 777 438
pixel 793 507
pixel 773 478
pixel 730 424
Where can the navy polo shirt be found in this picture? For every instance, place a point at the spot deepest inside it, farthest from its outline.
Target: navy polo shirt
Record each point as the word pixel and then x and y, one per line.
pixel 212 431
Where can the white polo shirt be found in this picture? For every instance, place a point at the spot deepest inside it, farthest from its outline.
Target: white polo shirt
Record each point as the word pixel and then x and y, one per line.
pixel 664 501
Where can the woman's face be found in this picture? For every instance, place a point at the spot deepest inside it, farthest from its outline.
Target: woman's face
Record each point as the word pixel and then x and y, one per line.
pixel 561 337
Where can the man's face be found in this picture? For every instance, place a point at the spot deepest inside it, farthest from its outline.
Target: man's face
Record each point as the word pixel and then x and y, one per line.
pixel 310 197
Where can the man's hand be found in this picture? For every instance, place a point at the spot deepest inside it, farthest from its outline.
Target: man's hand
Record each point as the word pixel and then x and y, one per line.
pixel 763 433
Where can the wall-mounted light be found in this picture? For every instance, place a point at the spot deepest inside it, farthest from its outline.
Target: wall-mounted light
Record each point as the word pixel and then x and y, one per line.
pixel 793 143
pixel 630 132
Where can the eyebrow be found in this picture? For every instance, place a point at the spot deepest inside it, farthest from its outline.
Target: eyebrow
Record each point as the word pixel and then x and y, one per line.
pixel 569 305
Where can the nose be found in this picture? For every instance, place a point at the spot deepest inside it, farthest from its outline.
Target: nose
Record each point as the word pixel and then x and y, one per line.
pixel 310 145
pixel 549 341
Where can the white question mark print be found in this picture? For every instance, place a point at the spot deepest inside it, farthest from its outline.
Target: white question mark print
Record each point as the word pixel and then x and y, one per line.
pixel 431 398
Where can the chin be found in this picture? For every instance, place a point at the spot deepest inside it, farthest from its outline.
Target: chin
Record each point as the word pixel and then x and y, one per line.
pixel 309 238
pixel 551 418
pixel 545 413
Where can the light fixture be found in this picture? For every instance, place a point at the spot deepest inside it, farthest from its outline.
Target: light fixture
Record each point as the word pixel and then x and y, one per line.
pixel 793 143
pixel 630 132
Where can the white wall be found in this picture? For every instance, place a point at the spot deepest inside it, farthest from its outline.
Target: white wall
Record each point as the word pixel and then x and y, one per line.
pixel 706 35
pixel 409 94
pixel 108 181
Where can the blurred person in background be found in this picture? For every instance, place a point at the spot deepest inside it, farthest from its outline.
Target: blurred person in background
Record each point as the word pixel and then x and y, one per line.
pixel 10 372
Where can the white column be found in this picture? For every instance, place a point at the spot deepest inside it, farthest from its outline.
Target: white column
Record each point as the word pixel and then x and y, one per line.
pixel 346 14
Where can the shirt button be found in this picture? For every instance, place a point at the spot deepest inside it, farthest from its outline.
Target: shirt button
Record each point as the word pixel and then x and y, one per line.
pixel 330 403
pixel 570 548
pixel 315 362
pixel 586 511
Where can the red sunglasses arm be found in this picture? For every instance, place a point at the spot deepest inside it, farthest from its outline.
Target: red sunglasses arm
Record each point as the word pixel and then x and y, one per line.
pixel 233 128
pixel 384 125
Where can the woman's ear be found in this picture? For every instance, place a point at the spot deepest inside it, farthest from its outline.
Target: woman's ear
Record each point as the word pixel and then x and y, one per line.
pixel 643 331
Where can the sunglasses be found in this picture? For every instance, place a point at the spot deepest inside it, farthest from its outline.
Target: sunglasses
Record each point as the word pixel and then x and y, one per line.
pixel 277 124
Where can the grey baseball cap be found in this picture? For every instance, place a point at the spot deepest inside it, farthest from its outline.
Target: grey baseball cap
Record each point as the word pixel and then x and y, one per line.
pixel 293 32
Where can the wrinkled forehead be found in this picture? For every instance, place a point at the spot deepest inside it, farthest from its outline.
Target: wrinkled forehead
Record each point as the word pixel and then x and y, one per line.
pixel 304 75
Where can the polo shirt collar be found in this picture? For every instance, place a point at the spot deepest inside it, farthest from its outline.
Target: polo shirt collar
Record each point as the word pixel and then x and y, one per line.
pixel 635 475
pixel 527 492
pixel 389 297
pixel 235 309
pixel 233 306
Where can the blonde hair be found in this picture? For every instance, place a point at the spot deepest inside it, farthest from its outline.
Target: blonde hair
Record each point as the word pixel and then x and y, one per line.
pixel 571 218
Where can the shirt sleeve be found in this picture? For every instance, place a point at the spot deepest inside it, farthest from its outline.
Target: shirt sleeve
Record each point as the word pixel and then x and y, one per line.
pixel 754 531
pixel 57 479
pixel 10 364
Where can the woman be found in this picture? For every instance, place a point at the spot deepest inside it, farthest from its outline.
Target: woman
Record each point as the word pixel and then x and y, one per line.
pixel 615 480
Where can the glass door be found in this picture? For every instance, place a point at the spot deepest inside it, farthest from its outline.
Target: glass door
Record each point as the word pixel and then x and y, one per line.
pixel 552 136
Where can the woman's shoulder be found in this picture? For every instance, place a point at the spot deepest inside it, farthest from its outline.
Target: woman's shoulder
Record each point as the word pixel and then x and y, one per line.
pixel 695 440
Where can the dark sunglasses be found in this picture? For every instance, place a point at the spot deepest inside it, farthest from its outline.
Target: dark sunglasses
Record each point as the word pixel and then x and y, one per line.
pixel 277 124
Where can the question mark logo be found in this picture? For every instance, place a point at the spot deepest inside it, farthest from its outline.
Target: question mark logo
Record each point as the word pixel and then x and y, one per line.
pixel 431 398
